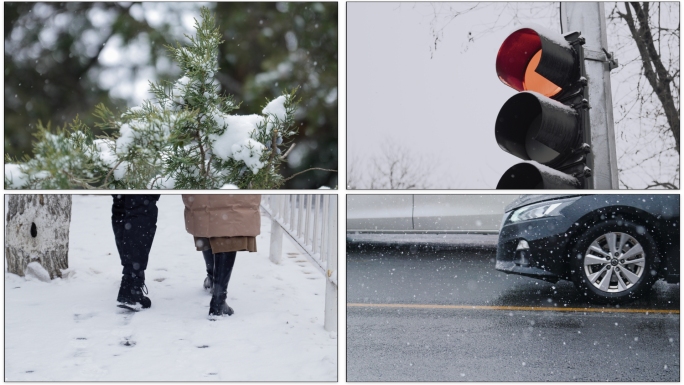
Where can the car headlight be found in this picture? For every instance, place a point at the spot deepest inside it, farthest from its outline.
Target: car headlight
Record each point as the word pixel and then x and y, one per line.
pixel 541 210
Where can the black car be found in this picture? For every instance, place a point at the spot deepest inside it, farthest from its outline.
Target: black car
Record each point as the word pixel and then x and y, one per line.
pixel 613 247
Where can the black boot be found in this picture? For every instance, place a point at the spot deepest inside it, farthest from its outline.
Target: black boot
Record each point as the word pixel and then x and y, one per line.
pixel 223 267
pixel 131 293
pixel 209 261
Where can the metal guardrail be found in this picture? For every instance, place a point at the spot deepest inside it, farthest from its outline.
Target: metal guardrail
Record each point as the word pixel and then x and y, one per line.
pixel 311 222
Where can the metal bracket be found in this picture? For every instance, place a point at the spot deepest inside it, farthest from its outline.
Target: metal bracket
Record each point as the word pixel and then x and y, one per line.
pixel 584 148
pixel 587 172
pixel 612 60
pixel 602 56
pixel 583 104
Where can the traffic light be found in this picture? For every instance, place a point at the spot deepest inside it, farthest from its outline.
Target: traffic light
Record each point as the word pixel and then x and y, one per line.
pixel 547 122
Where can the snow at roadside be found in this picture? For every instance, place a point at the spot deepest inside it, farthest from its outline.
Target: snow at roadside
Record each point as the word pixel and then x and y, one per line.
pixel 71 330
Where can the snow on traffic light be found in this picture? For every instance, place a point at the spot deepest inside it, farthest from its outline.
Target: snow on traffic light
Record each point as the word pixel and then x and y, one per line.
pixel 546 123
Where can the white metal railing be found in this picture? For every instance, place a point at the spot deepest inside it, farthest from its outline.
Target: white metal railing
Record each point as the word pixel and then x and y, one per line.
pixel 311 222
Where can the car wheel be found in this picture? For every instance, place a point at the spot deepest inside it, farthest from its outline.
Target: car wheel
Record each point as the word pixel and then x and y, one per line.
pixel 614 261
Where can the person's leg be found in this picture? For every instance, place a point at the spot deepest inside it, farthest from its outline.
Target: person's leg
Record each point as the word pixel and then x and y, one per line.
pixel 209 262
pixel 118 216
pixel 223 268
pixel 134 219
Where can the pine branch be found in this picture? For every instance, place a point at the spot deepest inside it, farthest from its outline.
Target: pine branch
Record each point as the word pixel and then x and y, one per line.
pixel 307 170
pixel 170 139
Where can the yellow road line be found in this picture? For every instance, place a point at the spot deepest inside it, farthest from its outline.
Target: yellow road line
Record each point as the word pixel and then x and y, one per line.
pixel 517 308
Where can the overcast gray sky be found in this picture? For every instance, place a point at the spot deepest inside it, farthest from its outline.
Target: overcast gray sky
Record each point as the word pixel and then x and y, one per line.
pixel 442 107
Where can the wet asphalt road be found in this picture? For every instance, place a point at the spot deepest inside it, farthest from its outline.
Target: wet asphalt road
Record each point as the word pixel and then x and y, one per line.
pixel 448 340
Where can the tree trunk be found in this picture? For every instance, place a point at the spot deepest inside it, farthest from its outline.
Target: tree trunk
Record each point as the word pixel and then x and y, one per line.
pixel 37 230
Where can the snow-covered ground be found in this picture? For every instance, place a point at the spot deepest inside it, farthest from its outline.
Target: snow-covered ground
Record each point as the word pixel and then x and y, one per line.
pixel 71 330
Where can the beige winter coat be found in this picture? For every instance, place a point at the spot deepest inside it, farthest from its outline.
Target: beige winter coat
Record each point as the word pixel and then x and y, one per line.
pixel 225 215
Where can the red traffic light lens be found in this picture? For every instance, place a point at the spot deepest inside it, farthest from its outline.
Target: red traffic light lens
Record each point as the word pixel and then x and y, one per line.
pixel 517 63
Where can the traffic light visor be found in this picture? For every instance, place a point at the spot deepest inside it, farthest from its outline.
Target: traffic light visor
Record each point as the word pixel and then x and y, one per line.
pixel 532 81
pixel 532 175
pixel 534 127
pixel 530 61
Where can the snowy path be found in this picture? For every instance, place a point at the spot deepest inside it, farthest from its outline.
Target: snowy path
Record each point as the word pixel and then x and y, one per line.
pixel 71 330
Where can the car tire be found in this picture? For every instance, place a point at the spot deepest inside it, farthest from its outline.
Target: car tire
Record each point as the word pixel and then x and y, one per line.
pixel 626 273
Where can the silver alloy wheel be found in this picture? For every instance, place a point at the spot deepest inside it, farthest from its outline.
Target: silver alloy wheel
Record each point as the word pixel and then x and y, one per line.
pixel 614 262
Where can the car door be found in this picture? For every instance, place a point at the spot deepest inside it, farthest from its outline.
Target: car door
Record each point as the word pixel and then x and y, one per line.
pixel 460 213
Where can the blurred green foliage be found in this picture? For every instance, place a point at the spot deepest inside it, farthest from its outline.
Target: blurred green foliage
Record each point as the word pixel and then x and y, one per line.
pixel 54 70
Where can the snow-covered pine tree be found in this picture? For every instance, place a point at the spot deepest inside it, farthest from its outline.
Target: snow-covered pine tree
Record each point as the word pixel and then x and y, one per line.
pixel 184 138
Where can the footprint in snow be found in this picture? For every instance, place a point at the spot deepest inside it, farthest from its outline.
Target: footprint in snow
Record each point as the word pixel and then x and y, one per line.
pixel 83 316
pixel 126 316
pixel 79 343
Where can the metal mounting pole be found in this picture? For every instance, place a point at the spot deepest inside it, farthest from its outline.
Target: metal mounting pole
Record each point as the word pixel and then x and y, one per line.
pixel 589 18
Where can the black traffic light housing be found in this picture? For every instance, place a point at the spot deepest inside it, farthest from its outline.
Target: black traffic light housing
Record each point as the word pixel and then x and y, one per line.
pixel 548 128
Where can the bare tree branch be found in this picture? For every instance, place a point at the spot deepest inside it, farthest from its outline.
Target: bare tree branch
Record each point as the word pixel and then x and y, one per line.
pixel 397 168
pixel 659 79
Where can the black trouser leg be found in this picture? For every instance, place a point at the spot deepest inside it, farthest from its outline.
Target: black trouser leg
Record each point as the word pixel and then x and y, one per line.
pixel 134 220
